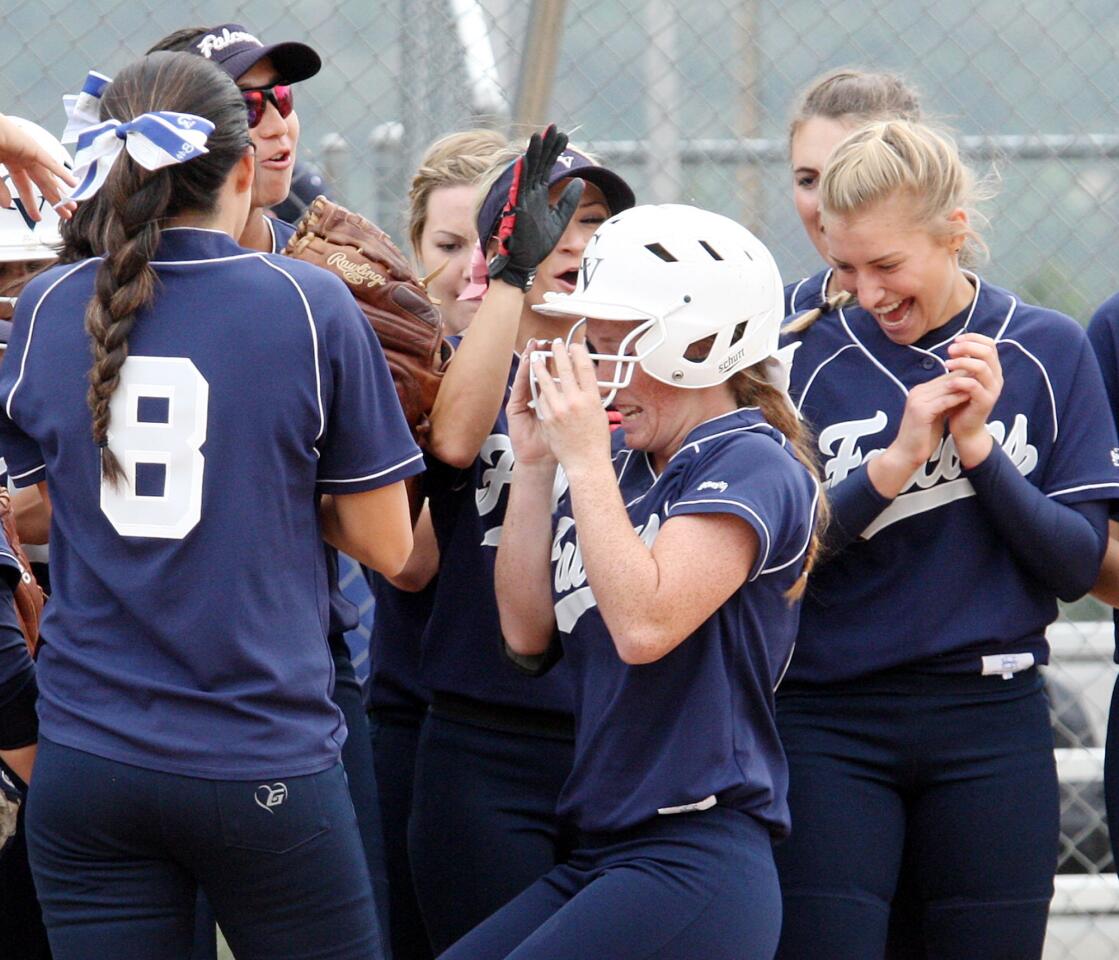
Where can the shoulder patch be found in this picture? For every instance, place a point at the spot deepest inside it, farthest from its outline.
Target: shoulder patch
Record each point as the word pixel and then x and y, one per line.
pixel 719 485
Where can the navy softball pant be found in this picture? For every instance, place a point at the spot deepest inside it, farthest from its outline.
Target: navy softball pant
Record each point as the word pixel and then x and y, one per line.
pixel 958 770
pixel 683 887
pixel 483 823
pixel 394 735
pixel 118 853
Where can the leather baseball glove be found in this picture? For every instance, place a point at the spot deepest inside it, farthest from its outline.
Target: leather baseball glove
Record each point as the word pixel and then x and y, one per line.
pixel 391 296
pixel 28 594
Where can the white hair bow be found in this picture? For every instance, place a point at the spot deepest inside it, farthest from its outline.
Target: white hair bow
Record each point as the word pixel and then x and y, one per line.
pixel 779 369
pixel 83 109
pixel 153 140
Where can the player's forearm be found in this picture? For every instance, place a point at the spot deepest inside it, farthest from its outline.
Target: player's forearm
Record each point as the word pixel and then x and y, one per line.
pixel 423 563
pixel 522 572
pixel 621 569
pixel 854 503
pixel 473 387
pixel 1107 583
pixel 374 527
pixel 1060 545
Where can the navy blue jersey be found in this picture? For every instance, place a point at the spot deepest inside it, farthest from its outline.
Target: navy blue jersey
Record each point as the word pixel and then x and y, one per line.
pixel 15 661
pixel 930 583
pixel 394 647
pixel 463 650
pixel 1103 334
pixel 807 293
pixel 695 727
pixel 186 629
pixel 345 604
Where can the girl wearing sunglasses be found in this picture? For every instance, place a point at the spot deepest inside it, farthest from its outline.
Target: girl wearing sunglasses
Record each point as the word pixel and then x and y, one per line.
pixel 265 74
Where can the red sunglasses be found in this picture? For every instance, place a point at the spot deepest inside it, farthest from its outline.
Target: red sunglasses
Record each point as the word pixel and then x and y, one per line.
pixel 258 98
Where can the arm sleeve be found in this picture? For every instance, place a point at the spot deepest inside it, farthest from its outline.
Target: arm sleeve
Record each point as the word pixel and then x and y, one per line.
pixel 854 504
pixel 1061 545
pixel 367 443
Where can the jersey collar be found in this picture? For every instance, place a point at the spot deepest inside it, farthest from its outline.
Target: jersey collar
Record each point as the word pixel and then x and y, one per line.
pixel 193 244
pixel 744 418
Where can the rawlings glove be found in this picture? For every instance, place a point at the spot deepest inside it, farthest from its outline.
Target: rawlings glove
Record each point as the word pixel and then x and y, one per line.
pixel 393 299
pixel 529 228
pixel 29 596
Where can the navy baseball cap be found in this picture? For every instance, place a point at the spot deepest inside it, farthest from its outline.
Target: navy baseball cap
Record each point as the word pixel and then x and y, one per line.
pixel 570 163
pixel 235 50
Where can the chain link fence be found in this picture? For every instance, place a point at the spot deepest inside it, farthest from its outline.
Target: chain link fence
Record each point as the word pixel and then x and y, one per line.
pixel 690 102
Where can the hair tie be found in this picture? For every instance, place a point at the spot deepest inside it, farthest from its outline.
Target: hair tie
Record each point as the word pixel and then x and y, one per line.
pixel 83 110
pixel 153 140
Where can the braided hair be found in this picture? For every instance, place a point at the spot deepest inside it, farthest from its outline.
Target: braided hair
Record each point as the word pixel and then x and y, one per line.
pixel 124 220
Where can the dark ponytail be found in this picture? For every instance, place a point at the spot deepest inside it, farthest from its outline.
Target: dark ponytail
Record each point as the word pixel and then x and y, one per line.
pixel 125 218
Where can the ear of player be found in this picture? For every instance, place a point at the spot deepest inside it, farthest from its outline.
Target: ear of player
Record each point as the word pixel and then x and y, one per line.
pixel 529 226
pixel 705 292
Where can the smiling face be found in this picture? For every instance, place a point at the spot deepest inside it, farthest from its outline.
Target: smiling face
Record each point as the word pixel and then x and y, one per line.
pixel 560 269
pixel 812 144
pixel 275 139
pixel 448 237
pixel 902 272
pixel 656 417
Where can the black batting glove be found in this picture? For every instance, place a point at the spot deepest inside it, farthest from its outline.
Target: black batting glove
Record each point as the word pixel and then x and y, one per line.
pixel 530 227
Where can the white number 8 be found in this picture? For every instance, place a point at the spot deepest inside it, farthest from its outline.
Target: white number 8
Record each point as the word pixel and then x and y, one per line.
pixel 166 444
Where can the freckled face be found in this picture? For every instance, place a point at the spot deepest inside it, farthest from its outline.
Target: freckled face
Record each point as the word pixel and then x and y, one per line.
pixel 655 416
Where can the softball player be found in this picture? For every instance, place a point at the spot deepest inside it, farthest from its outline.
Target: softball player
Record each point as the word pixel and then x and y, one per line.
pixel 186 735
pixel 441 206
pixel 678 783
pixel 496 746
pixel 265 73
pixel 1103 334
pixel 26 246
pixel 830 108
pixel 966 442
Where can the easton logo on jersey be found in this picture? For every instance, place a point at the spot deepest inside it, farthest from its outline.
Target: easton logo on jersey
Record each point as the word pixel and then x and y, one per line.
pixel 934 484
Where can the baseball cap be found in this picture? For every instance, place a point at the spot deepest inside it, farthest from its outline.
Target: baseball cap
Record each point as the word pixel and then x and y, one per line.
pixel 235 50
pixel 570 163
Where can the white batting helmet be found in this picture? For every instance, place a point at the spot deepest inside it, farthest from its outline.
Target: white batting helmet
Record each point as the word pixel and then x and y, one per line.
pixel 692 279
pixel 22 238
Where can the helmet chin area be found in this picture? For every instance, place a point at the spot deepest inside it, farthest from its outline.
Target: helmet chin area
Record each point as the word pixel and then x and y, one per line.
pixel 620 364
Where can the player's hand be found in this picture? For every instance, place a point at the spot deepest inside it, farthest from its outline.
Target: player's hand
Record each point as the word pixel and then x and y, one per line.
pixel 574 423
pixel 974 365
pixel 29 166
pixel 530 227
pixel 525 431
pixel 921 431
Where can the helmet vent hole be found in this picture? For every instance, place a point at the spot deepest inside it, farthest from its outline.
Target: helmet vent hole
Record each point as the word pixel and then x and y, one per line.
pixel 700 350
pixel 710 249
pixel 739 331
pixel 657 250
